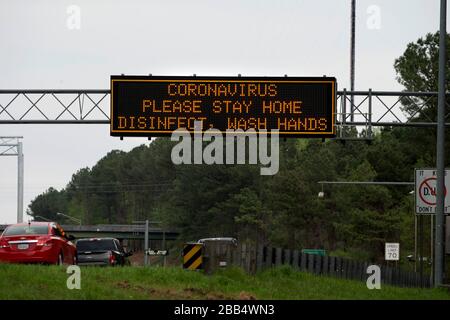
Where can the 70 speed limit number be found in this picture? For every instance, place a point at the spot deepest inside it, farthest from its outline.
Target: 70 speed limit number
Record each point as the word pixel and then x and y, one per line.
pixel 392 251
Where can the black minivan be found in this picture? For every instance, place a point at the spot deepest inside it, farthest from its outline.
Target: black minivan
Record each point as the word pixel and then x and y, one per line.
pixel 101 252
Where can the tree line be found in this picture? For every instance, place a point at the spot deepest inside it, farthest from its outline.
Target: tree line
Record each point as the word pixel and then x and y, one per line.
pixel 281 210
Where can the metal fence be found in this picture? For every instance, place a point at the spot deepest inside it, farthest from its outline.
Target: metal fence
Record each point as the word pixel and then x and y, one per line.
pixel 253 259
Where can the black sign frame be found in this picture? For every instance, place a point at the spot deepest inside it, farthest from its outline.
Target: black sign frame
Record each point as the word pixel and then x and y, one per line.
pixel 315 84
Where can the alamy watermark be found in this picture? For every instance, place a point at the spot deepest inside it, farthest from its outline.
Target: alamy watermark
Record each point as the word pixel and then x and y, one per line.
pixel 374 279
pixel 73 21
pixel 190 150
pixel 373 21
pixel 74 279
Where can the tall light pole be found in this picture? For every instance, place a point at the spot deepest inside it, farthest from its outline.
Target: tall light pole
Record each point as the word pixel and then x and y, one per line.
pixel 352 59
pixel 440 152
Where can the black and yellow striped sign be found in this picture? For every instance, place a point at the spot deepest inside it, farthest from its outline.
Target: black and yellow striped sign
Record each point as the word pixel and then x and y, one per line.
pixel 192 256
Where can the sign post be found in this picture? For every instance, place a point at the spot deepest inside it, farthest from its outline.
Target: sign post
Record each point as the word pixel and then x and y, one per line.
pixel 440 149
pixel 425 203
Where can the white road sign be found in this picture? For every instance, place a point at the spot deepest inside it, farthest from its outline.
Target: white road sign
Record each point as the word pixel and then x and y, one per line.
pixel 425 190
pixel 392 251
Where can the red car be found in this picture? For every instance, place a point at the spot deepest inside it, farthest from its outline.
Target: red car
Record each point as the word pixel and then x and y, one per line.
pixel 37 242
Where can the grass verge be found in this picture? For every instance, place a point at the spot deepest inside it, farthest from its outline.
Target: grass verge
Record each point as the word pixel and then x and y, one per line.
pixel 49 282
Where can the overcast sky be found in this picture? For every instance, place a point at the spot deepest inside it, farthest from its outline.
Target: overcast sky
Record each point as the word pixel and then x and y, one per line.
pixel 296 37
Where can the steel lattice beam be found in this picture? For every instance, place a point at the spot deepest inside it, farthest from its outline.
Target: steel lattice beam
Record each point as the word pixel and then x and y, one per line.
pixel 370 108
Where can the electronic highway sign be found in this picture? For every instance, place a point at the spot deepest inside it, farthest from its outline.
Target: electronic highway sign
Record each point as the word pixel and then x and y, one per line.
pixel 158 105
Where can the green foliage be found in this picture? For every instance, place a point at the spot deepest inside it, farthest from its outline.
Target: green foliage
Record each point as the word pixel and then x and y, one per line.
pixel 417 69
pixel 48 204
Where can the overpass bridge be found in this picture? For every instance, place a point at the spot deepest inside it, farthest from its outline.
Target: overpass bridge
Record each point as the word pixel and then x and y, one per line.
pixel 119 231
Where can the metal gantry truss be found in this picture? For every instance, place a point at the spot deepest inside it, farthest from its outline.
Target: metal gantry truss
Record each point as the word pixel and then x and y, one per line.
pixel 12 146
pixel 360 109
pixel 9 146
pixel 383 109
pixel 54 106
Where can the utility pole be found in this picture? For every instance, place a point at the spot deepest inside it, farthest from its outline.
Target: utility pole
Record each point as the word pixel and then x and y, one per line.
pixel 352 60
pixel 440 156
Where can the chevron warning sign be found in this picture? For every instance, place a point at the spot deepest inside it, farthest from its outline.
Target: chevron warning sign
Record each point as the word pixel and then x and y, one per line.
pixel 193 256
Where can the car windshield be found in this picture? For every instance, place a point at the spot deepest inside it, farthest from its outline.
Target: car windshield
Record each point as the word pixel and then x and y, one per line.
pixel 25 230
pixel 96 245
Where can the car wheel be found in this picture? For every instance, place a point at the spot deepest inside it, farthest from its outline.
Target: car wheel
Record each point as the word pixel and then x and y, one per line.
pixel 60 261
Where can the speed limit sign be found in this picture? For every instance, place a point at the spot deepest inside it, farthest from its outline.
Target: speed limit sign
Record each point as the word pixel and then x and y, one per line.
pixel 392 251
